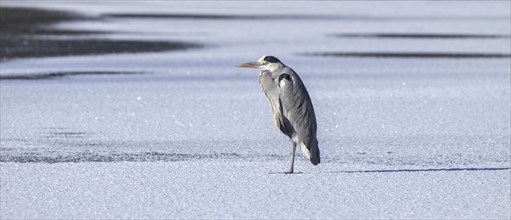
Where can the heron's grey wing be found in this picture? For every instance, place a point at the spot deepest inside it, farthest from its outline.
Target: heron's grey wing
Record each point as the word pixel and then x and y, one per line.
pixel 296 105
pixel 298 111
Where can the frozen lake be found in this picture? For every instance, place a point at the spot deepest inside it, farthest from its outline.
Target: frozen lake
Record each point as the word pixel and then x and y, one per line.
pixel 135 110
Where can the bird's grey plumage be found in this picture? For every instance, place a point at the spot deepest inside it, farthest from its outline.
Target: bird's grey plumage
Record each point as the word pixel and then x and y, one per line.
pixel 292 108
pixel 290 103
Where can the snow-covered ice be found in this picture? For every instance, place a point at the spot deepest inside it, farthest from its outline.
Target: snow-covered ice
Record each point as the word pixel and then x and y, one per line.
pixel 190 136
pixel 240 189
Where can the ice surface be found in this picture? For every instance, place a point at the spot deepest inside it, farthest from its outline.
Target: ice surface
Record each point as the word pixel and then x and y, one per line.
pixel 190 136
pixel 239 189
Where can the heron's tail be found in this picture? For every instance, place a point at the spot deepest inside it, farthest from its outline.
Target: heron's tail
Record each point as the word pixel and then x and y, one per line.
pixel 312 151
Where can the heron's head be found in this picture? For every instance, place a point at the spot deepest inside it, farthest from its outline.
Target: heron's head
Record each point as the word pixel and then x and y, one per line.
pixel 264 63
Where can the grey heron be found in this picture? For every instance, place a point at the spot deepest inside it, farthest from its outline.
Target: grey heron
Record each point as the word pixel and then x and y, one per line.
pixel 290 105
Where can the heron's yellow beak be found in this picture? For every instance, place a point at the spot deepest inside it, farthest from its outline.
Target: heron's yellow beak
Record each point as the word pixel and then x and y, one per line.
pixel 249 65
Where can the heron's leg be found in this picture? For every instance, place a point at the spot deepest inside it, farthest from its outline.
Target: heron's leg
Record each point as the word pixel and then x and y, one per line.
pixel 292 157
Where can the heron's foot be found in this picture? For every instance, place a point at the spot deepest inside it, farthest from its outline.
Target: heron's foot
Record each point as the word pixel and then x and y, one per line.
pixel 285 173
pixel 292 172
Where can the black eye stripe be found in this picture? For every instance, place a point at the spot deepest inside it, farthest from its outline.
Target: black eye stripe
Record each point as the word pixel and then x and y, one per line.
pixel 271 59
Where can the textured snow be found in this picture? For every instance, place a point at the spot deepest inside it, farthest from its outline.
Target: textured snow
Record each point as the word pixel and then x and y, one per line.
pixel 192 137
pixel 240 189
